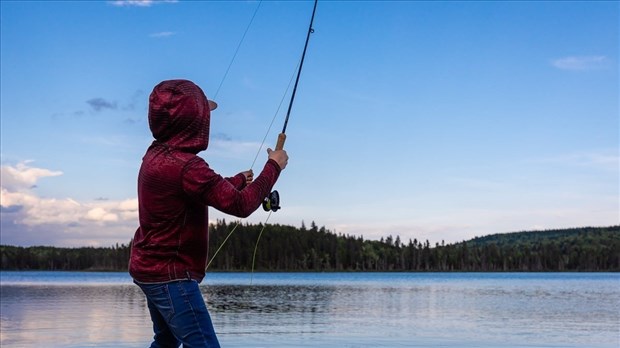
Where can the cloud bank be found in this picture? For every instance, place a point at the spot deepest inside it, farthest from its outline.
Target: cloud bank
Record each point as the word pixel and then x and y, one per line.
pixel 28 219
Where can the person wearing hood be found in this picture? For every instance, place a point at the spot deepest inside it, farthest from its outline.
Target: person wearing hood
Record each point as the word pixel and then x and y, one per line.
pixel 169 250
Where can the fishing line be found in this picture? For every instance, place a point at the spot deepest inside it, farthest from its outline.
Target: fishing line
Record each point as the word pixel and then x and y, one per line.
pixel 282 136
pixel 256 248
pixel 274 117
pixel 254 162
pixel 217 91
pixel 271 202
pixel 301 65
pixel 221 245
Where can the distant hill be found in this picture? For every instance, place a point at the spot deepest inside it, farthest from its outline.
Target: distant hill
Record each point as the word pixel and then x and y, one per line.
pixel 575 249
pixel 288 248
pixel 590 234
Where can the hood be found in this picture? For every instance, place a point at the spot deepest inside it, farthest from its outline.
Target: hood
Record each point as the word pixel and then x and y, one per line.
pixel 179 115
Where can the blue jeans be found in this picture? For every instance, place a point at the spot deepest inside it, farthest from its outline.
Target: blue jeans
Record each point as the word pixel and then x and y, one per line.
pixel 179 315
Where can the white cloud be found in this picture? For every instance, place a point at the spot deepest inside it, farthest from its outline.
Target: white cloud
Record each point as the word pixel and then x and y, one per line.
pixel 22 176
pixel 101 215
pixel 35 210
pixel 128 205
pixel 30 219
pixel 139 3
pixel 580 63
pixel 41 211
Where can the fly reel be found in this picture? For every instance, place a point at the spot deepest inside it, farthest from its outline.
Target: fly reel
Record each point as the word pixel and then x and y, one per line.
pixel 272 201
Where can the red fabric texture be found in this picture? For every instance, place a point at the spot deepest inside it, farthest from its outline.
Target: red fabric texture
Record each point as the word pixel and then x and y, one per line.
pixel 175 186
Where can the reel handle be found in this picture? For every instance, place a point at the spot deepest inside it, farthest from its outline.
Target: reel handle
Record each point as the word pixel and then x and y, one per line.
pixel 281 140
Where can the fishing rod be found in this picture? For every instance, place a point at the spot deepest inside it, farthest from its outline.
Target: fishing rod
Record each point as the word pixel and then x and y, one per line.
pixel 272 201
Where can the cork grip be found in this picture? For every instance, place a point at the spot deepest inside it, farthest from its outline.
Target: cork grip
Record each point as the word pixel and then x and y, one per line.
pixel 281 139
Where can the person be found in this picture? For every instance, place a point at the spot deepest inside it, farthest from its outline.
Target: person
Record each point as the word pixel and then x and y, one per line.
pixel 175 187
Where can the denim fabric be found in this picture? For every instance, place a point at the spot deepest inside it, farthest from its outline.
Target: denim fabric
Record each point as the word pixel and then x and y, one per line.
pixel 179 315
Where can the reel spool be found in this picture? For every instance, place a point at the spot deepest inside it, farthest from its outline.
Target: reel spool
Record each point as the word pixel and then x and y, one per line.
pixel 272 202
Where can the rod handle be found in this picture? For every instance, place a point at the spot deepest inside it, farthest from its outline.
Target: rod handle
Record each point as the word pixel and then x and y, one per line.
pixel 281 140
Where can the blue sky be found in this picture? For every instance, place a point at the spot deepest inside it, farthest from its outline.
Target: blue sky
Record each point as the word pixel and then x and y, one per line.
pixel 427 120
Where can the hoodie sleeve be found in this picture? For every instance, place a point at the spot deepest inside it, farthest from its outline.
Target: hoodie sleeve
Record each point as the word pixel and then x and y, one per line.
pixel 202 183
pixel 238 181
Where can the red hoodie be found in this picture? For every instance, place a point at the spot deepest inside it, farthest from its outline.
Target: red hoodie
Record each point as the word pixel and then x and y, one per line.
pixel 175 186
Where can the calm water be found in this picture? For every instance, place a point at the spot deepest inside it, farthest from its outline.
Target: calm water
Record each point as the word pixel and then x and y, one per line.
pixel 74 309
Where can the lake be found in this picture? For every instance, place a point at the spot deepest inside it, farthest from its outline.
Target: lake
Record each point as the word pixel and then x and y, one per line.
pixel 79 309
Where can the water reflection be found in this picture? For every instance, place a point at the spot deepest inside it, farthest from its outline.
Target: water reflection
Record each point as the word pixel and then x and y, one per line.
pixel 72 316
pixel 454 312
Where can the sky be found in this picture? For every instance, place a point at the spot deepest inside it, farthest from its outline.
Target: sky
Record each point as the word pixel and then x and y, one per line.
pixel 436 121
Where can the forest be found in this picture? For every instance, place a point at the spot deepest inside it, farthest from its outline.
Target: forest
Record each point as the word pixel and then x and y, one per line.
pixel 314 249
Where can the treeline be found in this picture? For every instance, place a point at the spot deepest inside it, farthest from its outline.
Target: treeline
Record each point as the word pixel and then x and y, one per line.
pixel 288 248
pixel 64 259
